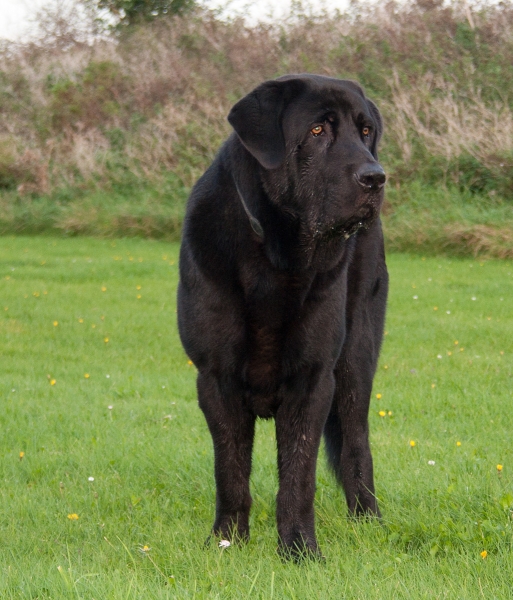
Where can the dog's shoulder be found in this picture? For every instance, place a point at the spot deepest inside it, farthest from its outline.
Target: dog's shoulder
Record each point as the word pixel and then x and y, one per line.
pixel 211 231
pixel 214 193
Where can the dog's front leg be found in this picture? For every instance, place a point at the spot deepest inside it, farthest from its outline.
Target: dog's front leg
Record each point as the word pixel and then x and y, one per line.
pixel 299 425
pixel 232 428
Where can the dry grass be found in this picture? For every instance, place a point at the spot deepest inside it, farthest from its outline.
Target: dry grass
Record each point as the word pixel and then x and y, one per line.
pixel 462 239
pixel 450 125
pixel 479 240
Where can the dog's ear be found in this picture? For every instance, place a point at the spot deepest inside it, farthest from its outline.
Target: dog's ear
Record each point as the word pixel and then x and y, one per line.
pixel 379 127
pixel 257 120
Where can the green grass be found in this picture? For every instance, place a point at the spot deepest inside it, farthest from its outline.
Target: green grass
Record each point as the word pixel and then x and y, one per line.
pixel 130 207
pixel 436 219
pixel 151 458
pixel 418 217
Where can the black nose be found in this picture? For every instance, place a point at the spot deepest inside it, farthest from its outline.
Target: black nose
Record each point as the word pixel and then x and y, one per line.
pixel 371 177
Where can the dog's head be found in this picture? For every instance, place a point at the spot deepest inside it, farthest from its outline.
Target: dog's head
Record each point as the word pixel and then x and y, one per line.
pixel 315 139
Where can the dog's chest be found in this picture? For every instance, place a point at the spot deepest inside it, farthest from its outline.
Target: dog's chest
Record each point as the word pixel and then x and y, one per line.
pixel 263 370
pixel 265 367
pixel 291 322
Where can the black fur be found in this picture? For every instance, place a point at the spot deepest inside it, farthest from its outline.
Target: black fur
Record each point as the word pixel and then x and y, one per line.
pixel 282 295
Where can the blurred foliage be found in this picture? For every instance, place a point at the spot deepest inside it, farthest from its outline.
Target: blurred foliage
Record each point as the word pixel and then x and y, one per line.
pixel 91 111
pixel 131 12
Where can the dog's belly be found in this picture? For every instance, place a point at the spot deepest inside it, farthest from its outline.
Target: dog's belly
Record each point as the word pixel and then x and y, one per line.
pixel 261 405
pixel 263 370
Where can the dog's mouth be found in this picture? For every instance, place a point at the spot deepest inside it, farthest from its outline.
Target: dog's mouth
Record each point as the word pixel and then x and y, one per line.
pixel 349 227
pixel 350 230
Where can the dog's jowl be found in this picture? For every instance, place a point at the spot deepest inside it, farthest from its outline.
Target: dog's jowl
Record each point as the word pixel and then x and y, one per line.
pixel 282 295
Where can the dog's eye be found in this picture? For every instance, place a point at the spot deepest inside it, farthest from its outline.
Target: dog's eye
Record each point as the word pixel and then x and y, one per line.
pixel 317 130
pixel 365 132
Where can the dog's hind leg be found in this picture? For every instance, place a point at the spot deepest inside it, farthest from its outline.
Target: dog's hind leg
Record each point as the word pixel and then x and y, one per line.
pixel 232 428
pixel 349 456
pixel 346 430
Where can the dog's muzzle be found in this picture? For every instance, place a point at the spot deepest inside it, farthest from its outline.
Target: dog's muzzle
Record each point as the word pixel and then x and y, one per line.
pixel 371 177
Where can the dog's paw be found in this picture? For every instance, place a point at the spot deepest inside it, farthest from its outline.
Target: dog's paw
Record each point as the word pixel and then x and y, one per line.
pixel 300 550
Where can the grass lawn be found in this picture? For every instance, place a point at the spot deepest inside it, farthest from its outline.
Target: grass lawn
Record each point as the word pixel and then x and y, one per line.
pixel 94 384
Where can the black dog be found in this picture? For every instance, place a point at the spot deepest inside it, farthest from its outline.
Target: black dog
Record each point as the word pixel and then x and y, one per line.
pixel 282 297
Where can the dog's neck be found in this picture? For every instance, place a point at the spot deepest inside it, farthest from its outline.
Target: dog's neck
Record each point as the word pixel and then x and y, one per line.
pixel 289 242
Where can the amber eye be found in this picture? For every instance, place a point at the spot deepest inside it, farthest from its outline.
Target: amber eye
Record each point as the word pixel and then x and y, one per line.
pixel 317 130
pixel 365 132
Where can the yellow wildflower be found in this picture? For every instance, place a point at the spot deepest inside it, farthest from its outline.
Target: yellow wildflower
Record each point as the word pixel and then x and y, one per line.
pixel 86 375
pixel 484 554
pixel 382 413
pixel 378 396
pixel 73 517
pixel 412 443
pixel 499 468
